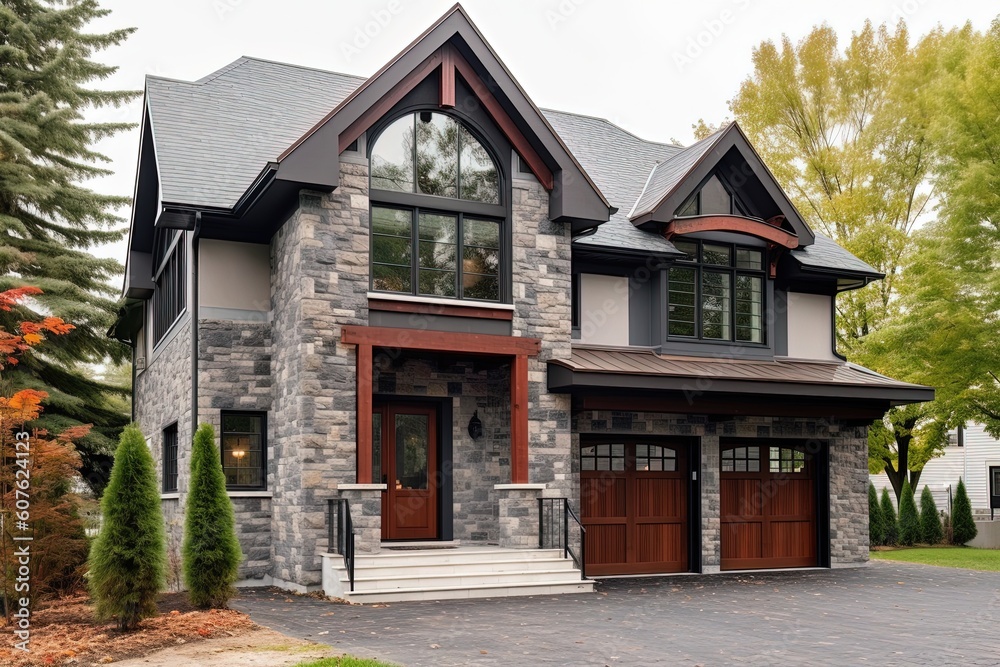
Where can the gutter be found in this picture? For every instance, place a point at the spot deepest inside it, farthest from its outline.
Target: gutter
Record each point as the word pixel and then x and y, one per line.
pixel 194 322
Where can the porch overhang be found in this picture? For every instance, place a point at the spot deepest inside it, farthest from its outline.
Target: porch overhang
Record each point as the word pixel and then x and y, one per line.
pixel 517 348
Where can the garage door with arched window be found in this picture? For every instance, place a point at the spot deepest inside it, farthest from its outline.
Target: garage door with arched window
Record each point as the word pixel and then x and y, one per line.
pixel 769 505
pixel 634 501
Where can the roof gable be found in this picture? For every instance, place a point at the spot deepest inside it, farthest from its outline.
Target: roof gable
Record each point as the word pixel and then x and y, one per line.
pixel 453 44
pixel 728 153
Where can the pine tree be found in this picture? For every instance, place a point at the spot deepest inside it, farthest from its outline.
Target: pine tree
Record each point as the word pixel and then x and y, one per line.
pixel 128 558
pixel 930 521
pixel 49 222
pixel 963 526
pixel 876 527
pixel 890 528
pixel 909 518
pixel 211 550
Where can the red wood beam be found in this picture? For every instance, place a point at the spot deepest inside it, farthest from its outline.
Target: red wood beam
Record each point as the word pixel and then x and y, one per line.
pixel 440 341
pixel 380 108
pixel 364 384
pixel 483 313
pixel 447 76
pixel 509 128
pixel 731 223
pixel 519 420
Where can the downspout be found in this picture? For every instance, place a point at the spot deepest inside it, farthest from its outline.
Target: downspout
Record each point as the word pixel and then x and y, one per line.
pixel 194 322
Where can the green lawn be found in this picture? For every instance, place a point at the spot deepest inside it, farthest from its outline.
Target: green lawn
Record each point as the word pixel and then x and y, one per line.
pixel 963 557
pixel 344 661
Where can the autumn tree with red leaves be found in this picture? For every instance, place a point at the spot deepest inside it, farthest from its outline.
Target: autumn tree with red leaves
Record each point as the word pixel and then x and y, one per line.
pixel 58 544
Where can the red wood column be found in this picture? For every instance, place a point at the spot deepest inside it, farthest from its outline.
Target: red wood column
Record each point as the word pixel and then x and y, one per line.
pixel 364 416
pixel 519 420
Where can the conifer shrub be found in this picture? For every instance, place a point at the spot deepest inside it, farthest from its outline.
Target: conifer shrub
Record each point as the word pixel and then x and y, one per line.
pixel 890 528
pixel 963 527
pixel 931 531
pixel 909 517
pixel 128 556
pixel 876 529
pixel 211 550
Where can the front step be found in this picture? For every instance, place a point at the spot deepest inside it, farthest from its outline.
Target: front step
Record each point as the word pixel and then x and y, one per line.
pixel 447 574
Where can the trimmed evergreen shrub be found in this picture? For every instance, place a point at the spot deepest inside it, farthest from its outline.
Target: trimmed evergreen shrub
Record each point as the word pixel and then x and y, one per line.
pixel 909 518
pixel 876 529
pixel 890 529
pixel 128 557
pixel 931 531
pixel 963 527
pixel 211 550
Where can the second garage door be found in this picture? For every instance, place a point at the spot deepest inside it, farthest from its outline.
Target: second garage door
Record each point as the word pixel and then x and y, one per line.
pixel 769 509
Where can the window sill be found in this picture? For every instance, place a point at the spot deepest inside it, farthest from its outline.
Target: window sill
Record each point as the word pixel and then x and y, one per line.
pixel 249 494
pixel 435 306
pixel 173 495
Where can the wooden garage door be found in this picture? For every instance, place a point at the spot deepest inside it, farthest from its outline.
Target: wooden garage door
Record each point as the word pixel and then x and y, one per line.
pixel 635 507
pixel 768 496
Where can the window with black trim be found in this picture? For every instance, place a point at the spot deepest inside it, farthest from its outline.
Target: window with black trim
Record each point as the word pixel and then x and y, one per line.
pixel 437 218
pixel 716 292
pixel 169 281
pixel 244 449
pixel 170 459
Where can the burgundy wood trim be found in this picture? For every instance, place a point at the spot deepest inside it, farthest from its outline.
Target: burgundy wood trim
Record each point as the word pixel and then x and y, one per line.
pixel 519 420
pixel 493 107
pixel 364 385
pixel 731 223
pixel 744 405
pixel 478 312
pixel 447 76
pixel 380 108
pixel 440 341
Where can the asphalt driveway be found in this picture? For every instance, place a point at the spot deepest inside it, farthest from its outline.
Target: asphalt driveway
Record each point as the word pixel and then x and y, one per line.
pixel 884 614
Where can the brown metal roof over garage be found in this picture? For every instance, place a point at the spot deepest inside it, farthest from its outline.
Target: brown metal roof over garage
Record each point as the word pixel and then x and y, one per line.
pixel 611 369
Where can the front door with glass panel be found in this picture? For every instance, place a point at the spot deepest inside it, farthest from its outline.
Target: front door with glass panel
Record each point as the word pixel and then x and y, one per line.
pixel 404 450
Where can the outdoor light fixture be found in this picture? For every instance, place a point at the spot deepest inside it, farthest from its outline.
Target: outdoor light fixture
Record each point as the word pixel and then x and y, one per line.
pixel 475 426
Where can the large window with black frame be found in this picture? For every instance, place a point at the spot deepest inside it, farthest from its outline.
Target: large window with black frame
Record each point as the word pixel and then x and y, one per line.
pixel 169 281
pixel 437 212
pixel 716 292
pixel 244 450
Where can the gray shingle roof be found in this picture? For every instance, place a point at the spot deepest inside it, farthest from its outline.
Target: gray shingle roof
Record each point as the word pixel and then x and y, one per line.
pixel 619 163
pixel 215 135
pixel 670 173
pixel 825 253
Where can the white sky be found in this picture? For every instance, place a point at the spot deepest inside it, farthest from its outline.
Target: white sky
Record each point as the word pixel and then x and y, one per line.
pixel 653 68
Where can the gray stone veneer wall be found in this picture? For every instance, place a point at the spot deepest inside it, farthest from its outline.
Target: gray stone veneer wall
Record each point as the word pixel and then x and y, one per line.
pixel 234 373
pixel 848 467
pixel 162 396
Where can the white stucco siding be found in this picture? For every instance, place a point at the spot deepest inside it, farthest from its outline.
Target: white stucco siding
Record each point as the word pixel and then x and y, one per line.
pixel 810 328
pixel 603 309
pixel 234 275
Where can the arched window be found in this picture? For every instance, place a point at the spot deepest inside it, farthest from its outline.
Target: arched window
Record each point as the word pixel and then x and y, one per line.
pixel 438 215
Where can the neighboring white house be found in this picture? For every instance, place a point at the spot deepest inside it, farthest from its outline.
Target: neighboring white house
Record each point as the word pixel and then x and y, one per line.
pixel 972 454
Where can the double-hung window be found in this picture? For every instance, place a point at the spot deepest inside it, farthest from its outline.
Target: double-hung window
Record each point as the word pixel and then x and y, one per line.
pixel 437 216
pixel 169 281
pixel 716 292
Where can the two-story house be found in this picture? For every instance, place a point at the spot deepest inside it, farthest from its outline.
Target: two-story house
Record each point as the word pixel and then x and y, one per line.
pixel 421 294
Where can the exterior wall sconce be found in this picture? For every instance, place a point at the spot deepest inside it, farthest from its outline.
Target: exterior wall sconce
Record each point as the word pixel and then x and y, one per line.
pixel 475 426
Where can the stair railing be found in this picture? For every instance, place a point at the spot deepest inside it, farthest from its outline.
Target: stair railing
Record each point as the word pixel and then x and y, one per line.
pixel 554 522
pixel 340 537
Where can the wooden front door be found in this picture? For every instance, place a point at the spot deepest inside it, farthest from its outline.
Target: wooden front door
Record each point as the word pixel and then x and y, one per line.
pixel 404 453
pixel 633 497
pixel 768 497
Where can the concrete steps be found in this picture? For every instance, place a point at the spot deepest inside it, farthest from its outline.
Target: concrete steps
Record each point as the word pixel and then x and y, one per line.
pixel 454 573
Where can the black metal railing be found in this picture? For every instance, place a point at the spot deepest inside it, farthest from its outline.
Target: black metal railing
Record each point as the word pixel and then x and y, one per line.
pixel 341 533
pixel 554 517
